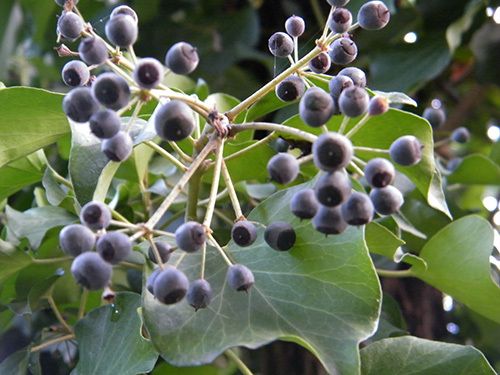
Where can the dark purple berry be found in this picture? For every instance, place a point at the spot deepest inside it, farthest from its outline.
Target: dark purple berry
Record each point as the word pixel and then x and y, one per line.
pixel 316 107
pixel 79 104
pixel 387 200
pixel 75 239
pixel 164 250
pixel 190 236
pixel 283 168
pixel 124 10
pixel 340 20
pixel 105 124
pixel 239 277
pixel 280 236
pixel 435 116
pixel 150 281
pixel 460 135
pixel 75 73
pixel 295 26
pixel 112 91
pixel 170 286
pixel 290 89
pixel 343 51
pixel 332 151
pixel 119 147
pixel 321 63
pixel 114 247
pixel 338 84
pixel 148 73
pixel 378 106
pixel 91 271
pixel 357 76
pixel 280 44
pixel 333 189
pixel 244 233
pixel 329 220
pixel 199 294
pixel 373 15
pixel 354 101
pixel 122 30
pixel 70 25
pixel 95 215
pixel 182 58
pixel 174 121
pixel 93 51
pixel 406 150
pixel 358 209
pixel 379 172
pixel 304 204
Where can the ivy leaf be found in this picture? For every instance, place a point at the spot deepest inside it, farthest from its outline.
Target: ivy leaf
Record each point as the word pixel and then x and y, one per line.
pixel 458 264
pixel 476 170
pixel 16 363
pixel 110 340
pixel 412 355
pixel 54 192
pixel 39 112
pixel 12 262
pixel 323 294
pixel 381 240
pixel 20 173
pixel 35 222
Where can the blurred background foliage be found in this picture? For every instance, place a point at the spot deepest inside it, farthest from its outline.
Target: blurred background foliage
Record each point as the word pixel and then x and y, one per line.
pixel 440 52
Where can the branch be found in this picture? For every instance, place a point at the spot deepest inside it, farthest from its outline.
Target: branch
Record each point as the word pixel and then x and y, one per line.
pixel 215 185
pixel 284 129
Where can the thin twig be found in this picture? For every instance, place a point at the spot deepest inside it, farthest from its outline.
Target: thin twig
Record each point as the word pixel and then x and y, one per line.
pixel 284 129
pixel 358 126
pixel 58 315
pixel 238 362
pixel 51 342
pixel 165 154
pixel 232 192
pixel 215 185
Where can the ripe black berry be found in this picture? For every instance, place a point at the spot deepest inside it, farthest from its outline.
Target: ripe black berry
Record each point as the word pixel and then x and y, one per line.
pixel 182 58
pixel 114 247
pixel 93 51
pixel 170 286
pixel 112 91
pixel 118 148
pixel 321 63
pixel 239 277
pixel 148 73
pixel 304 204
pixel 280 236
pixel 199 294
pixel 70 25
pixel 378 105
pixel 435 116
pixel 75 73
pixel 75 239
pixel 124 10
pixel 357 76
pixel 332 189
pixel 343 51
pixel 338 84
pixel 354 101
pixel 122 30
pixel 460 135
pixel 340 21
pixel 386 200
pixel 316 107
pixel 105 123
pixel 280 44
pixel 174 121
pixel 406 150
pixel 332 151
pixel 91 271
pixel 373 15
pixel 283 168
pixel 95 215
pixel 290 89
pixel 190 236
pixel 244 233
pixel 79 104
pixel 295 26
pixel 164 250
pixel 329 220
pixel 379 172
pixel 358 209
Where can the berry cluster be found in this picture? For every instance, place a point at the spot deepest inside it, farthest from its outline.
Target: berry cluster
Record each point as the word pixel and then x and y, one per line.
pixel 332 204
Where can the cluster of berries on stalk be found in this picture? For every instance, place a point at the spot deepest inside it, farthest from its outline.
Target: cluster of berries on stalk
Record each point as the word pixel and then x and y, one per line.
pixel 331 204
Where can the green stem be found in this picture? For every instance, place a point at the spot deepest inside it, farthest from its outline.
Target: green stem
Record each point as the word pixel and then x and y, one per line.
pixel 359 161
pixel 356 168
pixel 232 192
pixel 239 363
pixel 134 116
pixel 58 314
pixel 395 274
pixel 220 249
pixel 193 195
pixel 83 303
pixel 177 189
pixel 195 104
pixel 51 342
pixel 358 126
pixel 343 125
pixel 165 154
pixel 215 185
pixel 156 253
pixel 284 129
pixel 203 260
pixel 51 260
pixel 371 149
pixel 121 219
pixel 260 142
